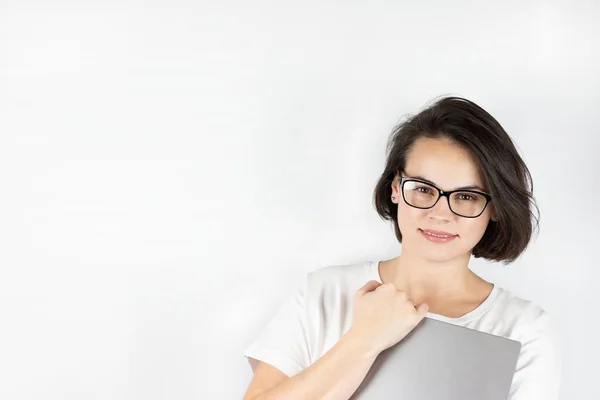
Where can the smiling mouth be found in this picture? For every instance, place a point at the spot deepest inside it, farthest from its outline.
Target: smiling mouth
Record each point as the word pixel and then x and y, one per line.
pixel 437 236
pixel 437 233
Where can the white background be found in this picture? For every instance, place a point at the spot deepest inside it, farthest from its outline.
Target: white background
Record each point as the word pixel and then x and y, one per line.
pixel 170 169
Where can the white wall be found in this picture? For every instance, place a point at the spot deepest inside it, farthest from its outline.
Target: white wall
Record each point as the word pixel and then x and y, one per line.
pixel 169 169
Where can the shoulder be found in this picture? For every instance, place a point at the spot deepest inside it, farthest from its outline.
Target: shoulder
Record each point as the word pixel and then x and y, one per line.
pixel 339 278
pixel 528 323
pixel 519 319
pixel 329 303
pixel 523 319
pixel 329 292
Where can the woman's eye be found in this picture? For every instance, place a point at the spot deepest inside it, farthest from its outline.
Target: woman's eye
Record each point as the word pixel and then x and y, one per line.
pixel 466 197
pixel 423 189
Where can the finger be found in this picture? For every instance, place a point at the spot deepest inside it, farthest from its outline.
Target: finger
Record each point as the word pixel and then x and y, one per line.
pixel 368 287
pixel 386 286
pixel 422 309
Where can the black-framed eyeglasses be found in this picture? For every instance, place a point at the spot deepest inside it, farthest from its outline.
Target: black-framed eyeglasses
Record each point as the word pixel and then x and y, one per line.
pixel 464 203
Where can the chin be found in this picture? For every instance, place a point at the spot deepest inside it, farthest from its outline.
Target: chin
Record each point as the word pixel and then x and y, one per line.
pixel 440 258
pixel 440 253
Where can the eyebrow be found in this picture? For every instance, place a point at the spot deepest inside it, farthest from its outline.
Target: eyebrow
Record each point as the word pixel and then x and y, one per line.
pixel 469 187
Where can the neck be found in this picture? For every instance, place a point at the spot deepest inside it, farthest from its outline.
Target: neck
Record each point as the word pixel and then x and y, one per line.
pixel 432 282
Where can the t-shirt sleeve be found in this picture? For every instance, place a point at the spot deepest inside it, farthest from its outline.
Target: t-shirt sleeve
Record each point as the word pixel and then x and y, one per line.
pixel 283 343
pixel 538 372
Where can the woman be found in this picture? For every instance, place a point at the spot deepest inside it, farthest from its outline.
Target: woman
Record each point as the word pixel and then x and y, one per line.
pixel 454 186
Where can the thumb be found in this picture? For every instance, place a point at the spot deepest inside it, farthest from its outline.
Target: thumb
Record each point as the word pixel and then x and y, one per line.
pixel 368 287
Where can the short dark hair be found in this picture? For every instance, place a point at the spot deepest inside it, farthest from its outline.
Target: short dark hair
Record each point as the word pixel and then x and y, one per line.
pixel 506 176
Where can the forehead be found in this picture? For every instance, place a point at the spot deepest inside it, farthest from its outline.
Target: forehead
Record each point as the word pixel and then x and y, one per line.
pixel 444 163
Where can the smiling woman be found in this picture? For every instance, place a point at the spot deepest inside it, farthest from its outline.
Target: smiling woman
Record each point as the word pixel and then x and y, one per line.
pixel 459 146
pixel 454 186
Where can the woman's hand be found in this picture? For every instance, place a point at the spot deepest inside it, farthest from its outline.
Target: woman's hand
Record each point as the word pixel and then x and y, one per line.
pixel 383 315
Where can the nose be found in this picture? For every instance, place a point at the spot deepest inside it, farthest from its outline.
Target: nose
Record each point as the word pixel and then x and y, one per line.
pixel 441 210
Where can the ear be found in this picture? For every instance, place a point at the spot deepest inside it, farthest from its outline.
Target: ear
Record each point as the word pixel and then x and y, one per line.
pixel 396 188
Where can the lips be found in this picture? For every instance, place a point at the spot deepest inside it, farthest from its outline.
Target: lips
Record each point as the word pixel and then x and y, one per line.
pixel 440 234
pixel 437 236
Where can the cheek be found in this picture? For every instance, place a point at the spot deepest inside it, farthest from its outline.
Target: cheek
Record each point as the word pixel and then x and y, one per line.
pixel 406 214
pixel 477 226
pixel 409 218
pixel 473 230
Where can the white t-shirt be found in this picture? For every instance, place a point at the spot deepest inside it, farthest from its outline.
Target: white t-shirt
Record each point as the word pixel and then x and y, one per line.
pixel 319 313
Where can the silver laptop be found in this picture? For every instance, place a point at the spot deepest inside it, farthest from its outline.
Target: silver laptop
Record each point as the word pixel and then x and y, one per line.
pixel 442 361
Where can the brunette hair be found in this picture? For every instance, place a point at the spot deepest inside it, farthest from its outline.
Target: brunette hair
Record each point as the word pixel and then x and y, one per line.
pixel 506 176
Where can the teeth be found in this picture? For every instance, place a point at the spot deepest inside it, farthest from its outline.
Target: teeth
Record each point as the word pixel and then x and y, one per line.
pixel 440 236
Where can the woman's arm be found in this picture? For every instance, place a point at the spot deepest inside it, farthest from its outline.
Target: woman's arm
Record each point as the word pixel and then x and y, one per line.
pixel 334 376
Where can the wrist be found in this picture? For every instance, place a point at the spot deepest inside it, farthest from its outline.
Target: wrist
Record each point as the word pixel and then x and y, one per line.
pixel 356 343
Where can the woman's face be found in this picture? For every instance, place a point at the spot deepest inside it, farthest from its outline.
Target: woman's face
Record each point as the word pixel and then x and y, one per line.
pixel 448 166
